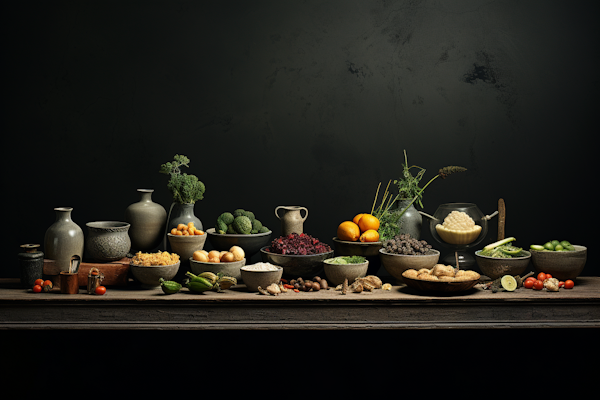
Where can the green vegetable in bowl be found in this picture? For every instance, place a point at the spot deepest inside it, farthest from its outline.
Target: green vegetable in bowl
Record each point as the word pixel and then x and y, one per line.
pixel 348 260
pixel 242 225
pixel 501 249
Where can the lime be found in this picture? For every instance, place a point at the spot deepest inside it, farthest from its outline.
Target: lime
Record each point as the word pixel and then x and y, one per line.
pixel 508 282
pixel 565 244
pixel 555 242
pixel 537 247
pixel 549 246
pixel 558 247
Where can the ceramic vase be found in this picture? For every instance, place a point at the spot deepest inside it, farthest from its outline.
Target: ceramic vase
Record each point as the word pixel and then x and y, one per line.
pixel 411 221
pixel 63 240
pixel 31 264
pixel 147 222
pixel 183 214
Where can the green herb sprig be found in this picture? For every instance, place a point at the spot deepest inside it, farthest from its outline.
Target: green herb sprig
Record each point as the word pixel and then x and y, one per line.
pixel 185 188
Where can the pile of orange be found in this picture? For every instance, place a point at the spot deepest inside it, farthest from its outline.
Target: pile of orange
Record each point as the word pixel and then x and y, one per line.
pixel 363 227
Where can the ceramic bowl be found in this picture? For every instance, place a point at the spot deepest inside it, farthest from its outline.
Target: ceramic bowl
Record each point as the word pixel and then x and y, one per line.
pixel 396 264
pixel 250 243
pixel 369 250
pixel 149 276
pixel 107 240
pixel 185 246
pixel 562 265
pixel 226 268
pixel 297 266
pixel 336 273
pixel 494 267
pixel 253 278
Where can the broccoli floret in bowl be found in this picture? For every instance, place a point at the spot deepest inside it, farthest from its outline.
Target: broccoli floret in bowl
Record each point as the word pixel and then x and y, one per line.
pixel 242 225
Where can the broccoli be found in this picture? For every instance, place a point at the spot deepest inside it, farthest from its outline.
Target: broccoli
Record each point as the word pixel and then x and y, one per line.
pixel 242 224
pixel 230 229
pixel 227 218
pixel 220 227
pixel 238 212
pixel 256 225
pixel 250 215
pixel 263 229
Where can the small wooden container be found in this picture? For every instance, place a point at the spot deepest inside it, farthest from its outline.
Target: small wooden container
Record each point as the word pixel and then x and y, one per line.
pixel 95 278
pixel 69 283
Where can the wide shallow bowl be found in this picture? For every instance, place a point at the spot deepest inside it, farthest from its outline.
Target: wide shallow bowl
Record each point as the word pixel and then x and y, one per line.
pixel 562 265
pixel 439 287
pixel 494 267
pixel 226 268
pixel 369 250
pixel 297 266
pixel 396 264
pixel 250 243
pixel 253 278
pixel 337 273
pixel 185 246
pixel 149 276
pixel 107 240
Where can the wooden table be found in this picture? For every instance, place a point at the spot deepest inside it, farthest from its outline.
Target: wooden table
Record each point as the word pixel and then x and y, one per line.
pixel 133 308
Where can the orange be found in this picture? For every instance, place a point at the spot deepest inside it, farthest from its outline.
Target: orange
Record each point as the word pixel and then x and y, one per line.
pixel 370 235
pixel 368 221
pixel 357 218
pixel 349 231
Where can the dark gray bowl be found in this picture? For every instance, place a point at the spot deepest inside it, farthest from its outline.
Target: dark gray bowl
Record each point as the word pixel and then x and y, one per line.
pixel 250 243
pixel 562 265
pixel 494 267
pixel 297 266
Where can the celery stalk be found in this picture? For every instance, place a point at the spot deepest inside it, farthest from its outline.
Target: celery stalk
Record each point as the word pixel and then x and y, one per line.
pixel 499 243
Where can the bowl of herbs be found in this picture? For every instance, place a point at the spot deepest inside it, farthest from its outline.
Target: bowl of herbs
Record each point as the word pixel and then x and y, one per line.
pixel 337 269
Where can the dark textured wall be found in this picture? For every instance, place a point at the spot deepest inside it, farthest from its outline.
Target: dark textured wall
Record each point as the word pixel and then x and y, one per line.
pixel 306 103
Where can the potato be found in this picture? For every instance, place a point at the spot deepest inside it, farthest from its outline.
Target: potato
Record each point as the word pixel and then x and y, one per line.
pixel 200 256
pixel 227 257
pixel 238 253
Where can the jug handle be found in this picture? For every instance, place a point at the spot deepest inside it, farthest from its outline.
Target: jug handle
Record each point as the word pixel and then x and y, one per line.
pixel 305 215
pixel 277 208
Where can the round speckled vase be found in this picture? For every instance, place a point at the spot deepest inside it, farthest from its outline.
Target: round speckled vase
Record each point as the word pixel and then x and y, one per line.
pixel 63 240
pixel 107 240
pixel 147 220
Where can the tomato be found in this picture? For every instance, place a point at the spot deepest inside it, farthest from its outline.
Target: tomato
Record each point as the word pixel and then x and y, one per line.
pixel 561 284
pixel 100 290
pixel 39 282
pixel 569 284
pixel 538 284
pixel 37 288
pixel 548 276
pixel 541 276
pixel 528 284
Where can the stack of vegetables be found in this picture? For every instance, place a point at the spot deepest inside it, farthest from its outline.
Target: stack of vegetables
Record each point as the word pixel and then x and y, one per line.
pixel 241 222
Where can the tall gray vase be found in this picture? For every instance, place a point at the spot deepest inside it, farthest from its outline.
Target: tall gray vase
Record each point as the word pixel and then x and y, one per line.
pixel 63 240
pixel 411 221
pixel 147 222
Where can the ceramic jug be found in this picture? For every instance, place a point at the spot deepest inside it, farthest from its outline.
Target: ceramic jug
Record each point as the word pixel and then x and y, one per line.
pixel 291 219
pixel 63 240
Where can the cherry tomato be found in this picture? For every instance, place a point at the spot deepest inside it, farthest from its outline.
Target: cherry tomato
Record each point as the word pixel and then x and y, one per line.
pixel 528 284
pixel 561 284
pixel 37 288
pixel 39 282
pixel 548 276
pixel 541 276
pixel 569 284
pixel 538 284
pixel 100 290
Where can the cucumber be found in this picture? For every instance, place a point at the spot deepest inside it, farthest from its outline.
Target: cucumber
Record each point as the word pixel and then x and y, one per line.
pixel 169 287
